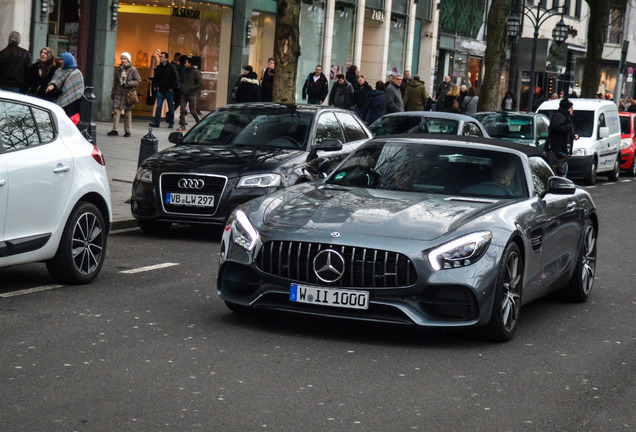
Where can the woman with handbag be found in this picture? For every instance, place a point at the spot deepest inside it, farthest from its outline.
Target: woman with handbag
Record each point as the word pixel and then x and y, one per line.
pixel 39 75
pixel 124 94
pixel 67 87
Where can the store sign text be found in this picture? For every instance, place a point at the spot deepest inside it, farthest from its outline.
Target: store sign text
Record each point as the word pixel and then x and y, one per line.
pixel 186 13
pixel 377 15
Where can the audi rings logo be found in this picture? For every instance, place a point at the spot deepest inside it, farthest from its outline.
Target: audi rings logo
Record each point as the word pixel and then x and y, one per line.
pixel 329 265
pixel 186 183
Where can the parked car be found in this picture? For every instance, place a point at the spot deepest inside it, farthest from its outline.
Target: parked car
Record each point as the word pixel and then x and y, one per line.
pixel 240 152
pixel 434 232
pixel 427 122
pixel 55 201
pixel 628 142
pixel 598 148
pixel 524 128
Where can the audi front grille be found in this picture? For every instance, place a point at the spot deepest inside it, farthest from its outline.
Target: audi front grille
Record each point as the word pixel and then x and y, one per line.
pixel 363 267
pixel 212 185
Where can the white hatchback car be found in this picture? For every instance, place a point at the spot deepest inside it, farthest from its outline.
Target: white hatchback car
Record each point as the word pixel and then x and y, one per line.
pixel 55 203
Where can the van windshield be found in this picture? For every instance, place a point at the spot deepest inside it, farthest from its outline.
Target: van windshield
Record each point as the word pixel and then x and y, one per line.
pixel 583 121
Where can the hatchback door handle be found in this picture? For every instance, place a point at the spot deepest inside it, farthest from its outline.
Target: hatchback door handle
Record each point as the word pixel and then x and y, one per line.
pixel 61 168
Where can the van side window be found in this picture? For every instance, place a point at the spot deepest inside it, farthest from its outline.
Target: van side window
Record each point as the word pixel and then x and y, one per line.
pixel 601 123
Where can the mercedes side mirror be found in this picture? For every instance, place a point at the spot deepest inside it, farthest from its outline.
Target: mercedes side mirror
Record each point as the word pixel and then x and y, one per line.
pixel 175 137
pixel 561 186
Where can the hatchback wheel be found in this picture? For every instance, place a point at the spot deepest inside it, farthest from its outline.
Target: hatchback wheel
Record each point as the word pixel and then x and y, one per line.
pixel 507 300
pixel 82 249
pixel 580 286
pixel 631 171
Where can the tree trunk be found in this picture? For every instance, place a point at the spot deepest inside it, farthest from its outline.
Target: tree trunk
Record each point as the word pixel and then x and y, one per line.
pixel 596 28
pixel 287 50
pixel 495 57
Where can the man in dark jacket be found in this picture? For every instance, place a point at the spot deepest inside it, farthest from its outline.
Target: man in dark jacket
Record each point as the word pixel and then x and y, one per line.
pixel 14 63
pixel 442 91
pixel 267 81
pixel 393 97
pixel 561 137
pixel 190 85
pixel 374 106
pixel 165 83
pixel 360 94
pixel 341 95
pixel 316 87
pixel 406 80
pixel 248 89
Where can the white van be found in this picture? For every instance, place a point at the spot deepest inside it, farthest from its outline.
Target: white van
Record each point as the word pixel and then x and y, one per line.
pixel 598 148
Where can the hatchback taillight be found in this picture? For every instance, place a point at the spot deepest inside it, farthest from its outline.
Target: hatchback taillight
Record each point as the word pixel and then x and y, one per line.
pixel 98 156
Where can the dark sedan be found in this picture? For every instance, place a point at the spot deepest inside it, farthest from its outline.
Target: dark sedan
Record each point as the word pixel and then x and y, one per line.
pixel 437 232
pixel 524 128
pixel 237 153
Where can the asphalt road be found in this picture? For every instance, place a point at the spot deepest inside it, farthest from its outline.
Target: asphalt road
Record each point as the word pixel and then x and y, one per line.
pixel 150 347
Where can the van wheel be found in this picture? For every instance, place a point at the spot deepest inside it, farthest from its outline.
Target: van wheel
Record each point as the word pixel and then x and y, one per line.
pixel 613 175
pixel 590 178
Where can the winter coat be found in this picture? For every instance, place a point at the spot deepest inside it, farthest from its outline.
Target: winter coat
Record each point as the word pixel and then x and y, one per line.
pixel 267 84
pixel 415 96
pixel 360 95
pixel 561 132
pixel 469 105
pixel 191 81
pixel 393 99
pixel 14 62
pixel 448 104
pixel 248 90
pixel 316 89
pixel 373 107
pixel 123 83
pixel 513 103
pixel 341 96
pixel 442 92
pixel 36 84
pixel 166 78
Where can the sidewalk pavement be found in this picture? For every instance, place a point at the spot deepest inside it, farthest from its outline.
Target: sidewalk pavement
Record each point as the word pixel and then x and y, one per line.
pixel 121 155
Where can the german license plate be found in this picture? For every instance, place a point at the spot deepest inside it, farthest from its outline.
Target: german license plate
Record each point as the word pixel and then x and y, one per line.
pixel 191 200
pixel 329 296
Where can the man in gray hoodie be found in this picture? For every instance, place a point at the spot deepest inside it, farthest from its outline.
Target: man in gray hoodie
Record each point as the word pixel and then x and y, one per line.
pixel 393 96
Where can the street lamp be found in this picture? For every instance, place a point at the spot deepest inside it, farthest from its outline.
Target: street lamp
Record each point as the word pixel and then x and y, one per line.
pixel 538 18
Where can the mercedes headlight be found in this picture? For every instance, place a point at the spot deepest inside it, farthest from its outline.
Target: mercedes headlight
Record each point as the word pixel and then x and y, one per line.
pixel 144 175
pixel 460 252
pixel 260 181
pixel 625 143
pixel 243 232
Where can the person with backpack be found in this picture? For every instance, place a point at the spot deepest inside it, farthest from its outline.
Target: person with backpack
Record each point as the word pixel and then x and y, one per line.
pixel 374 106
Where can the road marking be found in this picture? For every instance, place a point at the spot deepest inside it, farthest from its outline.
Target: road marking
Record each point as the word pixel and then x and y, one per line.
pixel 31 290
pixel 149 268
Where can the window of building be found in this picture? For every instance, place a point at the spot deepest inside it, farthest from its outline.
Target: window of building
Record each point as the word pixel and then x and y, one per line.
pixel 342 49
pixel 312 23
pixel 615 27
pixel 577 8
pixel 397 42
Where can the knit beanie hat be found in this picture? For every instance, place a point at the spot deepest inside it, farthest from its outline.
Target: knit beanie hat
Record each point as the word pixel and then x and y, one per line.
pixel 127 55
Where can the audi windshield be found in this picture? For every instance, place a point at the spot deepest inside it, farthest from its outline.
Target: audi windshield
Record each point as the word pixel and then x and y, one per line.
pixel 254 127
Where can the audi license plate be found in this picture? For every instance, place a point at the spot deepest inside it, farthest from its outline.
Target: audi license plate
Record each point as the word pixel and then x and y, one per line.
pixel 191 200
pixel 329 296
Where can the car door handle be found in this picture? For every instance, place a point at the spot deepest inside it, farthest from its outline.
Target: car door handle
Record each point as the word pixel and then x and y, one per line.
pixel 2 182
pixel 61 168
pixel 571 205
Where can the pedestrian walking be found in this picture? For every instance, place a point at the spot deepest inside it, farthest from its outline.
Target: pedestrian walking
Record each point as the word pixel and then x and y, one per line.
pixel 177 62
pixel 508 103
pixel 267 81
pixel 352 76
pixel 469 104
pixel 316 87
pixel 393 97
pixel 415 96
pixel 406 80
pixel 374 106
pixel 360 95
pixel 124 94
pixel 39 75
pixel 561 137
pixel 190 86
pixel 67 87
pixel 463 92
pixel 165 83
pixel 538 99
pixel 246 69
pixel 248 89
pixel 341 95
pixel 451 103
pixel 441 92
pixel 14 63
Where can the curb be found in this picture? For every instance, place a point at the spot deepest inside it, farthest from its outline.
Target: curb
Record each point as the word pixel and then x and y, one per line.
pixel 122 224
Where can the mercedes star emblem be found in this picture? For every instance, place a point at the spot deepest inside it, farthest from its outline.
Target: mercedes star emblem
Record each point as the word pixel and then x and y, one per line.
pixel 329 265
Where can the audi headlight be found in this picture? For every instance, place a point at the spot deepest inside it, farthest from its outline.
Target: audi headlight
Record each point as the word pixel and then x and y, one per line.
pixel 260 181
pixel 625 143
pixel 243 232
pixel 460 252
pixel 144 175
pixel 579 152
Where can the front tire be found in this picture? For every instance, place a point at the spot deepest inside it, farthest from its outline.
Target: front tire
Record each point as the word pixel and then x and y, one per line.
pixel 82 249
pixel 506 306
pixel 614 174
pixel 590 178
pixel 631 171
pixel 580 286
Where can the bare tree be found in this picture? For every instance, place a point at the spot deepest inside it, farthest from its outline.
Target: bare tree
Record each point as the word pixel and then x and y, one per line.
pixel 287 50
pixel 495 57
pixel 596 28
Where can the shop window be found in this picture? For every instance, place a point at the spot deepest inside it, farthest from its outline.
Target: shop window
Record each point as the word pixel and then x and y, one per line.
pixel 397 44
pixel 343 30
pixel 312 23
